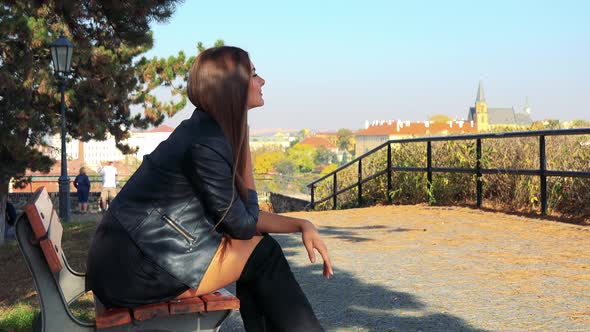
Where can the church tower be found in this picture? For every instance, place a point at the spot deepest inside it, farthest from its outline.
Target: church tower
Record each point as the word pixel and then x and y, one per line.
pixel 481 110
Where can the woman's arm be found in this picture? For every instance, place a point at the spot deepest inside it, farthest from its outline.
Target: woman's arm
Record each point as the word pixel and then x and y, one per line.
pixel 274 223
pixel 212 176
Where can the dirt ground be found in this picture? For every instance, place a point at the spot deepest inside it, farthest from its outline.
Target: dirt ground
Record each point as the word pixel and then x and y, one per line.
pixel 410 268
pixel 421 268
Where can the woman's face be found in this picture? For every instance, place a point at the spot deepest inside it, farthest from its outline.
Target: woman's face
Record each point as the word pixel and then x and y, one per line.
pixel 255 90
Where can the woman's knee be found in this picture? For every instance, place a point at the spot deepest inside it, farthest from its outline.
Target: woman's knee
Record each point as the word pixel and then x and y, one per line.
pixel 267 255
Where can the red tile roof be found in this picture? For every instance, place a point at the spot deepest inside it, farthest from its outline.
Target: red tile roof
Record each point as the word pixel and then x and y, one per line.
pixel 160 129
pixel 401 128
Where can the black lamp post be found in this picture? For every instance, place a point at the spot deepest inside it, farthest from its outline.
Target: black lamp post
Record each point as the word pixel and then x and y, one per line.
pixel 61 55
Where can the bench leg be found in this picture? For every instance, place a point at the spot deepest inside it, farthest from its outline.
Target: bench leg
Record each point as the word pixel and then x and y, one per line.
pixel 211 322
pixel 195 322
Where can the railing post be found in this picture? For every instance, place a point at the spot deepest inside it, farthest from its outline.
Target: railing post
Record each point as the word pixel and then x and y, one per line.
pixel 429 164
pixel 360 185
pixel 389 185
pixel 312 198
pixel 479 183
pixel 542 169
pixel 334 190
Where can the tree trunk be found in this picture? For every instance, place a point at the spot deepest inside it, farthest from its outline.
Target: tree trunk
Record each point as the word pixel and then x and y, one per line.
pixel 3 196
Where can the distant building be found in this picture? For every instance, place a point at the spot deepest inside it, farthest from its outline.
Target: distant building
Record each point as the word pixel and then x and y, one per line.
pixel 93 153
pixel 328 135
pixel 148 140
pixel 381 131
pixel 319 142
pixel 278 140
pixel 494 117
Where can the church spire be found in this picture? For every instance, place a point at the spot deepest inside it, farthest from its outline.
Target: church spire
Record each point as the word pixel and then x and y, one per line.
pixel 481 98
pixel 481 110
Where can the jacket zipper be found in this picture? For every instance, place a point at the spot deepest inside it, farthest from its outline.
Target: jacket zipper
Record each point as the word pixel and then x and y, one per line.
pixel 178 229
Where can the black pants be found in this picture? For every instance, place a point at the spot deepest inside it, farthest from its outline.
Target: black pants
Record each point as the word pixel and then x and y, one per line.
pixel 270 297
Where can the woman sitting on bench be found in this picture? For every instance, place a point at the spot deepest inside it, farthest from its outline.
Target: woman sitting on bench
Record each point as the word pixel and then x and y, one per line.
pixel 189 217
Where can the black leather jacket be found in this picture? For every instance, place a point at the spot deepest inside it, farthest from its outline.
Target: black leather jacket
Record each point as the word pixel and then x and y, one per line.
pixel 181 190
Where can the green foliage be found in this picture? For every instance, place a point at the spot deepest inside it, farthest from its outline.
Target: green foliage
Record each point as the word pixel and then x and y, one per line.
pixel 294 142
pixel 201 47
pixel 17 318
pixel 170 73
pixel 303 133
pixel 285 166
pixel 102 87
pixel 329 169
pixel 345 139
pixel 334 159
pixel 579 124
pixel 290 184
pixel 302 157
pixel 266 149
pixel 266 162
pixel 344 158
pixel 324 156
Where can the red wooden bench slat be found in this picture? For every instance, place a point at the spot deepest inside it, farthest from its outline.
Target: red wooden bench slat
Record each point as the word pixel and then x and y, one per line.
pixel 220 300
pixel 44 221
pixel 106 318
pixel 186 305
pixel 51 255
pixel 188 294
pixel 39 221
pixel 150 311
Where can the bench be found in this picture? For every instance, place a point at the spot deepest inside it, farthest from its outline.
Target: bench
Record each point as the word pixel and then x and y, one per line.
pixel 39 234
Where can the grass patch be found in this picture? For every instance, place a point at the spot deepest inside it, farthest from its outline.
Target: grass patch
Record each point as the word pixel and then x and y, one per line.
pixel 18 317
pixel 18 299
pixel 17 283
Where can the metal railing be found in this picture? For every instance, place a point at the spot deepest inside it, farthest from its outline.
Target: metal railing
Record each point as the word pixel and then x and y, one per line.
pixel 542 171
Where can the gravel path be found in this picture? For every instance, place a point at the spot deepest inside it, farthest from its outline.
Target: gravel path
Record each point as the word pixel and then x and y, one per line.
pixel 420 268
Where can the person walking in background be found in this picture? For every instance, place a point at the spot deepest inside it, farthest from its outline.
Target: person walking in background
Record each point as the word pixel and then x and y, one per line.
pixel 109 184
pixel 10 217
pixel 82 184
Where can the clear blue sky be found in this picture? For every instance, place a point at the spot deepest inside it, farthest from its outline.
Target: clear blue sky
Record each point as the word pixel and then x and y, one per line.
pixel 333 64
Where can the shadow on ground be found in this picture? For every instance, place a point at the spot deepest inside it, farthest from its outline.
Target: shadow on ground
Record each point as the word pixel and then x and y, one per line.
pixel 348 233
pixel 345 303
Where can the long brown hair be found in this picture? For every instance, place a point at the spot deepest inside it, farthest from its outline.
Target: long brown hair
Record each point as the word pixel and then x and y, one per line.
pixel 218 84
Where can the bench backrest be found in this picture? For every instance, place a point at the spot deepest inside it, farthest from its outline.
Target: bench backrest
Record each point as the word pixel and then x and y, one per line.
pixel 47 228
pixel 39 235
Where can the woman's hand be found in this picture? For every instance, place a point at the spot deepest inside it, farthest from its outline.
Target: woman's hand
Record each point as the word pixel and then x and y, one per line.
pixel 275 223
pixel 312 240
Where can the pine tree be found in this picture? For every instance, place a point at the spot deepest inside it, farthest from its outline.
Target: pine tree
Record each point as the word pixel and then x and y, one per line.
pixel 107 77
